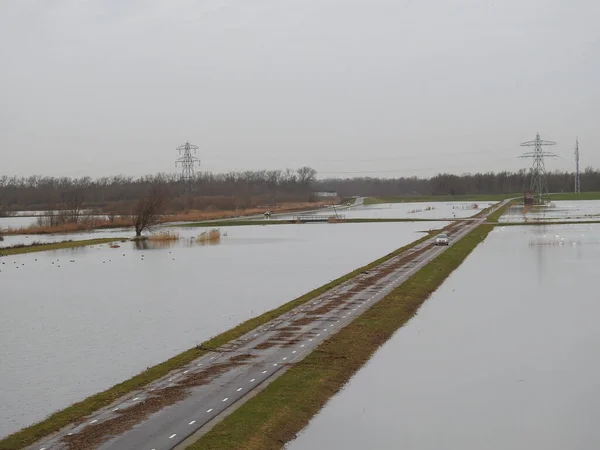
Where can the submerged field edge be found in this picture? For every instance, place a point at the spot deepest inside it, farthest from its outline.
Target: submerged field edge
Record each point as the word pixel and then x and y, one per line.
pixel 238 223
pixel 440 198
pixel 275 416
pixel 79 410
pixel 558 196
pixel 54 246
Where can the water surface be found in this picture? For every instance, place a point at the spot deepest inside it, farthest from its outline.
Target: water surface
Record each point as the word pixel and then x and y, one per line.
pixel 502 356
pixel 75 322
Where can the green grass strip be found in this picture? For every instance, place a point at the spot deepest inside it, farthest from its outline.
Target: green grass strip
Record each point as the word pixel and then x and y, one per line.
pixel 493 217
pixel 546 222
pixel 58 420
pixel 238 223
pixel 273 417
pixel 440 198
pixel 55 246
pixel 574 196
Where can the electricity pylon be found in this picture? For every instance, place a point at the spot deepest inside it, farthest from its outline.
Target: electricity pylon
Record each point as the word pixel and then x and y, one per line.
pixel 539 183
pixel 577 178
pixel 187 160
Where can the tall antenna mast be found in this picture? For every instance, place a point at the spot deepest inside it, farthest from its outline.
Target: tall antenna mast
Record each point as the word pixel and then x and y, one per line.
pixel 539 183
pixel 187 160
pixel 577 179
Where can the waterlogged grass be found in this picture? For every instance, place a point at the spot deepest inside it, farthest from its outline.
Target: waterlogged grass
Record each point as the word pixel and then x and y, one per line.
pixel 237 223
pixel 440 198
pixel 493 217
pixel 547 222
pixel 40 247
pixel 274 416
pixel 77 411
pixel 574 196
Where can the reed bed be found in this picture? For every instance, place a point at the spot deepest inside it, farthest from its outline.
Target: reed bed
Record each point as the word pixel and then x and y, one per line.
pixel 164 236
pixel 211 236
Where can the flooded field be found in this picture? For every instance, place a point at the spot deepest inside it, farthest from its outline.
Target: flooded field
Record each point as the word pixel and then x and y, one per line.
pixel 17 222
pixel 502 356
pixel 28 239
pixel 75 322
pixel 417 210
pixel 580 210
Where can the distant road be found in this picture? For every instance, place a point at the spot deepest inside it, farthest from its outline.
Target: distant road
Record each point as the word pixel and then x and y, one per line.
pixel 358 201
pixel 221 381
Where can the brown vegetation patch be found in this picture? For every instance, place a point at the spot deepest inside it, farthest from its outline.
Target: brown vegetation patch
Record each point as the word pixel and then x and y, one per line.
pixel 94 435
pixel 291 327
pixel 282 335
pixel 303 321
pixel 265 345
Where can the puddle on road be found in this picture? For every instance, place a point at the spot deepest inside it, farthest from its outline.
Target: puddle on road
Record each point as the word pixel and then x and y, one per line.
pixel 77 321
pixel 502 356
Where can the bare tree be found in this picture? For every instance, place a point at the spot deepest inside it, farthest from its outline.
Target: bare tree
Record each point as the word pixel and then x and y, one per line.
pixel 148 209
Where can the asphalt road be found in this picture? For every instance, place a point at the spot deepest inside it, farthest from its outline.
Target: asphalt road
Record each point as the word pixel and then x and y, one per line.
pixel 221 381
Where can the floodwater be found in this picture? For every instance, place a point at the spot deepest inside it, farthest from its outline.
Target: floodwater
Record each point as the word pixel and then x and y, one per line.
pixel 564 211
pixel 16 222
pixel 416 210
pixel 502 356
pixel 75 322
pixel 29 239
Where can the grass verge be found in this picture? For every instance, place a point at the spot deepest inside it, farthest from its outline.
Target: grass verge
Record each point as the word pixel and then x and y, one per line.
pixel 40 247
pixel 273 417
pixel 574 196
pixel 493 217
pixel 440 198
pixel 58 420
pixel 547 222
pixel 237 223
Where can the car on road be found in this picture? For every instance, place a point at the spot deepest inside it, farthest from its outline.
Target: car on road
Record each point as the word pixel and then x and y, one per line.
pixel 442 239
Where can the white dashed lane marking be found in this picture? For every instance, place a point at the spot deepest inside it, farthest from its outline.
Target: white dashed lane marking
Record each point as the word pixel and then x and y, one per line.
pixel 252 380
pixel 135 399
pixel 239 389
pixel 172 436
pixel 192 422
pixel 210 410
pixel 264 371
pixel 93 421
pixel 225 399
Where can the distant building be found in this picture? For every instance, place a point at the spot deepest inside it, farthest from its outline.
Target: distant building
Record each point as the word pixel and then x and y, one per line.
pixel 325 194
pixel 529 198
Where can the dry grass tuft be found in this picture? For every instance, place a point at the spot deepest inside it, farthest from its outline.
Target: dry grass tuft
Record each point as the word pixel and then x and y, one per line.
pixel 213 235
pixel 164 236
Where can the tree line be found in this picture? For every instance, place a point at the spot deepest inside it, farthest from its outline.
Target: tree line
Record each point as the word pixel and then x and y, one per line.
pixel 234 190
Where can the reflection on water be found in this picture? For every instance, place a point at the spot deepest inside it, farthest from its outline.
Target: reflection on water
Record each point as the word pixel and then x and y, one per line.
pixel 502 356
pixel 75 322
pixel 416 210
pixel 580 210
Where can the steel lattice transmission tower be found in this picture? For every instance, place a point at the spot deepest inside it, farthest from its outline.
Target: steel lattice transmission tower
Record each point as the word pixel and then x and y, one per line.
pixel 187 161
pixel 577 179
pixel 539 183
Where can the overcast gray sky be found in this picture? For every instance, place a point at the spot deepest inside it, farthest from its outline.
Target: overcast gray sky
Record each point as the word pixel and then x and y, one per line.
pixel 372 87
